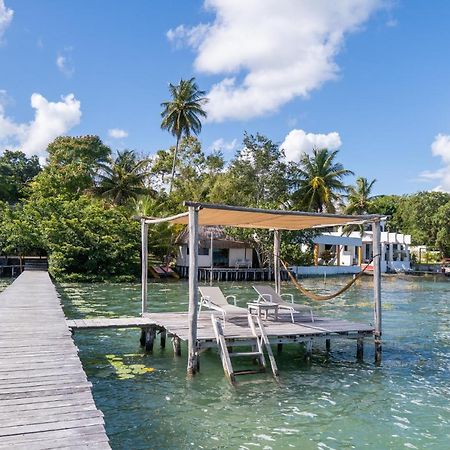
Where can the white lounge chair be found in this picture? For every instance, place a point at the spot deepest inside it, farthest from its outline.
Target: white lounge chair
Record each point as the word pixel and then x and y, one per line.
pixel 212 297
pixel 267 293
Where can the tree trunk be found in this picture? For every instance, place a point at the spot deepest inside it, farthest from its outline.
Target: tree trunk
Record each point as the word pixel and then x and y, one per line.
pixel 174 163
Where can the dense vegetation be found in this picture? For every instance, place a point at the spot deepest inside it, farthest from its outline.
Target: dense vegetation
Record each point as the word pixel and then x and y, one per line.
pixel 79 208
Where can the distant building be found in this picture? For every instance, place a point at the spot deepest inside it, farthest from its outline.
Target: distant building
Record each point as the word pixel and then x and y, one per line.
pixel 226 251
pixel 336 252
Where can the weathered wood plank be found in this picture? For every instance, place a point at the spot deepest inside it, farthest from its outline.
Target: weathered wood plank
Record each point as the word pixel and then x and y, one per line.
pixel 45 397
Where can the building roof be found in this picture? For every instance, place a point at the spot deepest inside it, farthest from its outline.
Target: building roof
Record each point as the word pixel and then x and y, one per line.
pixel 221 238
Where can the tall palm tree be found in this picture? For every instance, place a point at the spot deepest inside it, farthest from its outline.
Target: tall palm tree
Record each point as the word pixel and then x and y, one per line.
pixel 319 184
pixel 181 114
pixel 359 197
pixel 123 178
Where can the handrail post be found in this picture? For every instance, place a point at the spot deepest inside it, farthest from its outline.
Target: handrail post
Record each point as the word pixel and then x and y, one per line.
pixel 192 366
pixel 144 265
pixel 376 244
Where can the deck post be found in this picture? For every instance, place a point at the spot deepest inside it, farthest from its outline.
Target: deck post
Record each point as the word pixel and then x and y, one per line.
pixel 276 261
pixel 360 348
pixel 376 231
pixel 193 290
pixel 212 262
pixel 144 262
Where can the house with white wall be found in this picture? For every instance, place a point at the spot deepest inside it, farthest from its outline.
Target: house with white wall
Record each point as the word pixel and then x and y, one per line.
pixel 215 248
pixel 350 253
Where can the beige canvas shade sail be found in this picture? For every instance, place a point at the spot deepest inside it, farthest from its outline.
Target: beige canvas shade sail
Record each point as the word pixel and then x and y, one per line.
pixel 237 216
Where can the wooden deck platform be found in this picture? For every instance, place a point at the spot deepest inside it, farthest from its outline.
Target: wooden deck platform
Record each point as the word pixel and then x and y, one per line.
pixel 236 331
pixel 45 397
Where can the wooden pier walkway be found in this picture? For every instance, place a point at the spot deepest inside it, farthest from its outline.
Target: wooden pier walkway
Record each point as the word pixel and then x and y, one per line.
pixel 45 398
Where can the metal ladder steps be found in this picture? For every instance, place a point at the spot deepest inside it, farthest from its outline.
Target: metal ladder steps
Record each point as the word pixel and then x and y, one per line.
pixel 249 371
pixel 241 354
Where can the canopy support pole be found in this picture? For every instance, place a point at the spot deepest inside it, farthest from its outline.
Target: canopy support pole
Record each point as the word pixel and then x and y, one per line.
pixel 376 231
pixel 276 261
pixel 212 261
pixel 193 362
pixel 144 266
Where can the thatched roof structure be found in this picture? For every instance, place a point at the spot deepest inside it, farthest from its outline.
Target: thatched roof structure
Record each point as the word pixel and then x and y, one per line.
pixel 220 237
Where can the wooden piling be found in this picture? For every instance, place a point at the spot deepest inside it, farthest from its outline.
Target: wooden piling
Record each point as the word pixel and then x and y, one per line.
pixel 328 345
pixel 193 290
pixel 360 348
pixel 144 274
pixel 176 343
pixel 150 334
pixel 376 230
pixel 163 335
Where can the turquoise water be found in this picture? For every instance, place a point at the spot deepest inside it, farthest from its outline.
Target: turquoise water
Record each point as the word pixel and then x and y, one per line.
pixel 333 402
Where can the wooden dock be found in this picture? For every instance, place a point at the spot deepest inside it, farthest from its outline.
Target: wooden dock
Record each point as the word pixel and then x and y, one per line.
pixel 237 331
pixel 45 398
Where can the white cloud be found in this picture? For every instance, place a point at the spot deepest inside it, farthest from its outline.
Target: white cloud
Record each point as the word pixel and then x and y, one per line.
pixel 222 145
pixel 117 133
pixel 6 16
pixel 51 119
pixel 440 147
pixel 64 62
pixel 282 49
pixel 297 142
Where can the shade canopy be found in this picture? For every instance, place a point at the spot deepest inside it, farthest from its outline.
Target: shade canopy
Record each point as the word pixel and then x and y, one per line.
pixel 242 217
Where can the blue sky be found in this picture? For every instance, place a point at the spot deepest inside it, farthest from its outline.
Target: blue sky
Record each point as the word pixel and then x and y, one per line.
pixel 373 74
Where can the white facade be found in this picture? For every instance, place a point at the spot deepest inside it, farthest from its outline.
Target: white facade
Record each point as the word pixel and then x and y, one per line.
pixel 395 255
pixel 229 257
pixel 352 252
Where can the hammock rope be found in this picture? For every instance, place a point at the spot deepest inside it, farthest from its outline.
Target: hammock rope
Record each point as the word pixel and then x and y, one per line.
pixel 320 298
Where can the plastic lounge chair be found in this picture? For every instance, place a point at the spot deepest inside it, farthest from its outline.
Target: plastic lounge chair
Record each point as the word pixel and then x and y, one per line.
pixel 267 293
pixel 212 297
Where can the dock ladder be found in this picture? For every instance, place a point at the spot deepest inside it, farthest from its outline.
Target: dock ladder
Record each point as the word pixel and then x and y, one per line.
pixel 262 343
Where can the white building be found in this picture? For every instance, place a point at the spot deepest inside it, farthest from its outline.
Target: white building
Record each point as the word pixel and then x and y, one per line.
pixel 336 252
pixel 225 251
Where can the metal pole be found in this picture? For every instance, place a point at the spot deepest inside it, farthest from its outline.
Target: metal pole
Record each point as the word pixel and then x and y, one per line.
pixel 376 231
pixel 276 260
pixel 144 265
pixel 212 262
pixel 192 366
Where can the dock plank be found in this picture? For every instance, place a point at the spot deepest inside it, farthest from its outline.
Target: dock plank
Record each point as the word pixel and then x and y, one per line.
pixel 45 398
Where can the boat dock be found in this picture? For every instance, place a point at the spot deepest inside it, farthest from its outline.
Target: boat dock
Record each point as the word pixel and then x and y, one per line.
pixel 45 398
pixel 237 331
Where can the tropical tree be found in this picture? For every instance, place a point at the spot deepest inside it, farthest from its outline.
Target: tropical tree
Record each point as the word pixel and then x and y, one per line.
pixel 181 114
pixel 123 178
pixel 16 172
pixel 358 197
pixel 318 181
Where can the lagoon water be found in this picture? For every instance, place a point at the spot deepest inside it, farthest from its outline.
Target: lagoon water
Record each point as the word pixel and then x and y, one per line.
pixel 333 402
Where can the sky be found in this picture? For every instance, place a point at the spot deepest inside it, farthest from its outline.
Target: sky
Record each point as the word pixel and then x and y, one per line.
pixel 369 78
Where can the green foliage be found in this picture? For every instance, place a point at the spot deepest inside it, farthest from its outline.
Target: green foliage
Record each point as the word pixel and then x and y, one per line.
pixel 122 178
pixel 387 205
pixel 72 164
pixel 83 237
pixel 318 181
pixel 441 222
pixel 16 171
pixel 417 212
pixel 257 176
pixel 181 114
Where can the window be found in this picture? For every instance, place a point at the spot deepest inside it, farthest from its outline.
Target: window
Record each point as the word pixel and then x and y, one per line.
pixel 201 251
pixel 345 248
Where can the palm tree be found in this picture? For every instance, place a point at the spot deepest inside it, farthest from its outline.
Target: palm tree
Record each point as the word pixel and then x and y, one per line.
pixel 123 178
pixel 181 115
pixel 319 184
pixel 359 197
